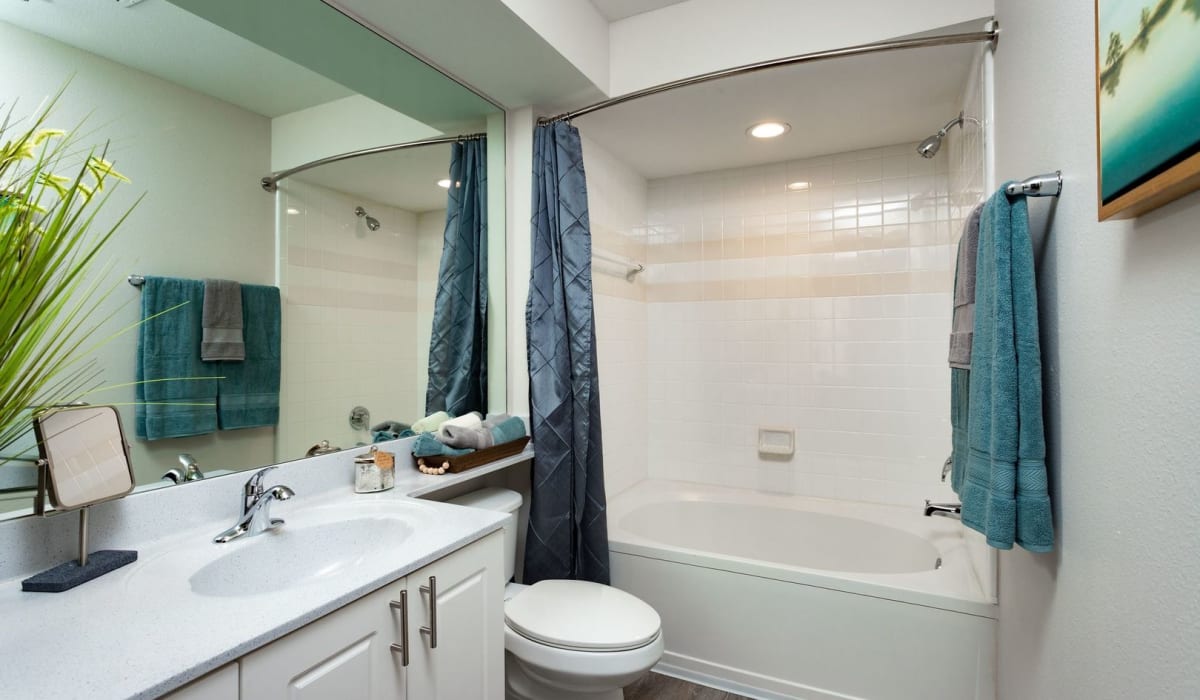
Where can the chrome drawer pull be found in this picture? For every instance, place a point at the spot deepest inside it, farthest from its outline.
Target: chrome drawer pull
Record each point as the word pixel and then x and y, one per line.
pixel 402 647
pixel 431 630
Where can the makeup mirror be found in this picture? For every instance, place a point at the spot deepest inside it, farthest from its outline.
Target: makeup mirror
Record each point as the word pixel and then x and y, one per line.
pixel 85 459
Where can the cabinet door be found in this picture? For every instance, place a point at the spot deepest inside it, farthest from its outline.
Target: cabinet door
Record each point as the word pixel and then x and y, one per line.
pixel 345 655
pixel 221 684
pixel 468 661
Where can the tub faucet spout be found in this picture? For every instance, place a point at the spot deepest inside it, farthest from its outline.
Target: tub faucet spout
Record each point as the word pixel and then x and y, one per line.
pixel 946 510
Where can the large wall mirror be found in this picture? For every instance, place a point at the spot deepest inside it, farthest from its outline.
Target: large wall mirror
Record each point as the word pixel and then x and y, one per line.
pixel 199 100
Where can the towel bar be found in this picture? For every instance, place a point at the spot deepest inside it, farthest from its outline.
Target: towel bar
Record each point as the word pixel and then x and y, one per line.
pixel 135 280
pixel 1047 185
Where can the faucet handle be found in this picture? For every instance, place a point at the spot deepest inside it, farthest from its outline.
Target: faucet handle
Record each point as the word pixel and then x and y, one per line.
pixel 254 486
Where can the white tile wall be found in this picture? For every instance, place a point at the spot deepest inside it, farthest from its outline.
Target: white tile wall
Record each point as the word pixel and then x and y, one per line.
pixel 350 315
pixel 431 236
pixel 823 310
pixel 617 208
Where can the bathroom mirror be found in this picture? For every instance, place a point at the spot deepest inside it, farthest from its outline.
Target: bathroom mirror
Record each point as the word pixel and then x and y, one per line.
pixel 85 456
pixel 198 101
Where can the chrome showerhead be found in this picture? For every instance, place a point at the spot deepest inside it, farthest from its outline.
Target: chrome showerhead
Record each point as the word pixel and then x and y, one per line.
pixel 372 222
pixel 929 147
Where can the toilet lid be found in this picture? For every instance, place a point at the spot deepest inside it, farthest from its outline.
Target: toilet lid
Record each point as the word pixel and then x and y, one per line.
pixel 582 615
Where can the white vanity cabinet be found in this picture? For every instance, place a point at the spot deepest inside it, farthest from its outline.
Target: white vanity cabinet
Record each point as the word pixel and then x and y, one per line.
pixel 357 652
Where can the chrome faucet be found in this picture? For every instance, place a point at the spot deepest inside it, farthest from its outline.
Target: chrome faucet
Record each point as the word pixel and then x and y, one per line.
pixel 256 508
pixel 947 466
pixel 946 510
pixel 191 470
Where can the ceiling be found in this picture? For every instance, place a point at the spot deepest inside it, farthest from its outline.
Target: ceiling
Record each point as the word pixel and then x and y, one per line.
pixel 614 10
pixel 833 106
pixel 165 41
pixel 404 179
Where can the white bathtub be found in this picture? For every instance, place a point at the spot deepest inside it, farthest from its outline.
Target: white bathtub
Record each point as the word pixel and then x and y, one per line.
pixel 784 596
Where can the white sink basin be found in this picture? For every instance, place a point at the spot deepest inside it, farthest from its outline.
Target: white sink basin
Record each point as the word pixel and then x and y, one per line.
pixel 316 544
pixel 297 555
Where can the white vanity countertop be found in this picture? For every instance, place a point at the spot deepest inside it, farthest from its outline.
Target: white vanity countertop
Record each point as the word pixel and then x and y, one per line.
pixel 137 633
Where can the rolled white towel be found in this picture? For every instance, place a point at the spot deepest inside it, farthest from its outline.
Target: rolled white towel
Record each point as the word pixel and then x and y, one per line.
pixel 471 421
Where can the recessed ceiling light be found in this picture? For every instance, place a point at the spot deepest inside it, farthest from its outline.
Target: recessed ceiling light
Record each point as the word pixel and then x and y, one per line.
pixel 445 184
pixel 769 130
pixel 293 211
pixel 799 186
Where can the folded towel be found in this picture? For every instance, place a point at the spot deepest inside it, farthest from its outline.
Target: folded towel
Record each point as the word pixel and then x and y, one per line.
pixel 426 445
pixel 963 322
pixel 249 395
pixel 383 435
pixel 496 430
pixel 1004 491
pixel 508 430
pixel 222 322
pixel 175 394
pixel 391 426
pixel 430 423
pixel 466 438
pixel 471 420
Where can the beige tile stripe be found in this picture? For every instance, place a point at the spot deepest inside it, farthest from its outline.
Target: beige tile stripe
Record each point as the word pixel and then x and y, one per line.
pixel 301 256
pixel 920 282
pixel 815 242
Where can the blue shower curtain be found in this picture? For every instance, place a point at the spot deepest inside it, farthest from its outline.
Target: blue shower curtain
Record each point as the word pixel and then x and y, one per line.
pixel 568 530
pixel 458 343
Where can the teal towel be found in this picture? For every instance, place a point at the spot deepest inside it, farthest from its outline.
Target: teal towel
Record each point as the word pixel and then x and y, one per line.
pixel 171 399
pixel 960 396
pixel 508 430
pixel 1004 491
pixel 248 397
pixel 426 445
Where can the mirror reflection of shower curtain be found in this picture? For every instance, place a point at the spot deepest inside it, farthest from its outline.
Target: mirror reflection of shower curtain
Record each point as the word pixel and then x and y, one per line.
pixel 458 342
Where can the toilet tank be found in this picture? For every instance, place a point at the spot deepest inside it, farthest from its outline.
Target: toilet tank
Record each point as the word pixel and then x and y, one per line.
pixel 501 501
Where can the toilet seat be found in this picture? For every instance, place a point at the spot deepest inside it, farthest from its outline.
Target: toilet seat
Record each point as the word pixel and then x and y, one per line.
pixel 582 616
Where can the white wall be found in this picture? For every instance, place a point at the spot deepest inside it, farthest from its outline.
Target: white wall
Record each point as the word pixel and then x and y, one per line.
pixel 350 317
pixel 1112 613
pixel 518 165
pixel 357 122
pixel 699 36
pixel 193 156
pixel 575 28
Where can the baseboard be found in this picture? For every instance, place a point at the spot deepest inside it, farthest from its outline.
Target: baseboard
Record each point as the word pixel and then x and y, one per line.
pixel 739 682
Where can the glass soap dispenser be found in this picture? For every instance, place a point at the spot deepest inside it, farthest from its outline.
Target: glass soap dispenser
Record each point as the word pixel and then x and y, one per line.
pixel 374 470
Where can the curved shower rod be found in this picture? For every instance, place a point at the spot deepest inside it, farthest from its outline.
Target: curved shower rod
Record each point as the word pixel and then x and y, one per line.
pixel 270 183
pixel 989 35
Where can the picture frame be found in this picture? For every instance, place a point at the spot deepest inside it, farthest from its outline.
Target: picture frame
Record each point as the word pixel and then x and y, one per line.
pixel 1147 104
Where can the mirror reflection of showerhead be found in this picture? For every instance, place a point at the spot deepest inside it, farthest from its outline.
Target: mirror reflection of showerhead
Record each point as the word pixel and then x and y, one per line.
pixel 929 147
pixel 372 222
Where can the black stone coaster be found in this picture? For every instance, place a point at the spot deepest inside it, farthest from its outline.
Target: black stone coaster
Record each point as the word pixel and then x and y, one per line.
pixel 69 575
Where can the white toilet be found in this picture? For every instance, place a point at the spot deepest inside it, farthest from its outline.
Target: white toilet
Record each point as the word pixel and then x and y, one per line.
pixel 568 639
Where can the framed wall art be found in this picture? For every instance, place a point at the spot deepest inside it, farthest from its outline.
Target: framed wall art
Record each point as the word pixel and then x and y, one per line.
pixel 1147 103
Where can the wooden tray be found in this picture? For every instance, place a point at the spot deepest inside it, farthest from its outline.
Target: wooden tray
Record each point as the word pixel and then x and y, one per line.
pixel 478 458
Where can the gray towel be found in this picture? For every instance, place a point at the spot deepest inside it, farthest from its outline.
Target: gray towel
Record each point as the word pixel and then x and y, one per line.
pixel 466 438
pixel 473 438
pixel 222 322
pixel 963 322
